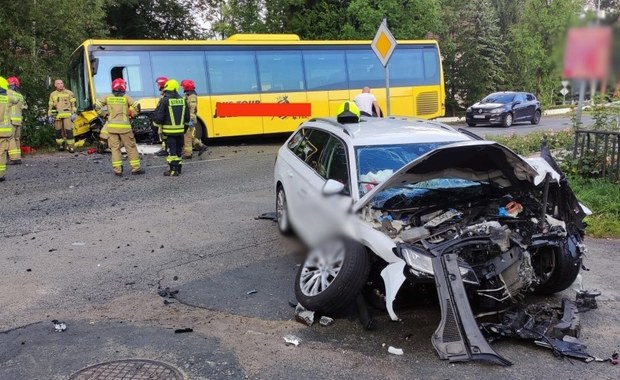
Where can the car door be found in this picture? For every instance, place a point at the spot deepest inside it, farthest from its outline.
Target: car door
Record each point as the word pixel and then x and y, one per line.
pixel 532 104
pixel 520 108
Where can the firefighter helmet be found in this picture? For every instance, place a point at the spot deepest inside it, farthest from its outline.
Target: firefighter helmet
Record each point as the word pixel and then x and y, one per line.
pixel 13 81
pixel 171 85
pixel 4 85
pixel 119 84
pixel 161 82
pixel 188 85
pixel 348 113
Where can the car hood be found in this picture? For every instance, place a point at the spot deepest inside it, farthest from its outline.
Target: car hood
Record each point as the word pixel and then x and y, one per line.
pixel 487 106
pixel 479 160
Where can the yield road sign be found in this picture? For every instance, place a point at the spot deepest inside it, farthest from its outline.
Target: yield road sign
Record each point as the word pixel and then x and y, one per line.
pixel 383 44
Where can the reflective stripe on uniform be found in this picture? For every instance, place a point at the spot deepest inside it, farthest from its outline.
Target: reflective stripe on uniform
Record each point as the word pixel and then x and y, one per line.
pixel 119 126
pixel 116 164
pixel 134 163
pixel 175 129
pixel 63 115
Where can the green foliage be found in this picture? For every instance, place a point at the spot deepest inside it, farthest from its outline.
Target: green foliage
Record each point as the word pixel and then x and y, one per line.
pixel 38 135
pixel 606 116
pixel 530 143
pixel 603 198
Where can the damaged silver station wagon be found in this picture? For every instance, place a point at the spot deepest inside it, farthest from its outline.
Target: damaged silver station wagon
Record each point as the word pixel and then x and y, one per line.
pixel 420 202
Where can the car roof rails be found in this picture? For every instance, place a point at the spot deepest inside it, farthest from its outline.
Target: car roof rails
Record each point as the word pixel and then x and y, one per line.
pixel 333 122
pixel 420 120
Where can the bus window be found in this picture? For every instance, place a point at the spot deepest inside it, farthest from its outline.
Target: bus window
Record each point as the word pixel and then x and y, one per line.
pixel 325 70
pixel 180 65
pixel 364 69
pixel 133 67
pixel 406 67
pixel 280 71
pixel 78 81
pixel 232 72
pixel 431 66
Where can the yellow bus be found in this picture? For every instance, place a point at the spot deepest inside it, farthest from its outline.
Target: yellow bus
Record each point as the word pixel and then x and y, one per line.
pixel 264 72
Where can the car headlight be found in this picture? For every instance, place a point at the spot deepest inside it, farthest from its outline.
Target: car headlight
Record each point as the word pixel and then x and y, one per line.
pixel 417 260
pixel 497 110
pixel 468 110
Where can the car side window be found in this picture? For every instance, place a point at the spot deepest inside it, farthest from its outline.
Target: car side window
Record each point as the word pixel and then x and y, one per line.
pixel 520 98
pixel 311 148
pixel 335 162
pixel 296 141
pixel 530 98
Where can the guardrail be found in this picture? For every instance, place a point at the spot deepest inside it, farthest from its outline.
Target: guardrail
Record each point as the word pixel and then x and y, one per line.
pixel 598 152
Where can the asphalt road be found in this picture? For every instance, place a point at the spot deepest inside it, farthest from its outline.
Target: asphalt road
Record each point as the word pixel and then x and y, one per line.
pixel 85 247
pixel 547 123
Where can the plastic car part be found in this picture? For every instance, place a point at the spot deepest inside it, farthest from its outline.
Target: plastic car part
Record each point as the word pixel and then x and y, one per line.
pixel 458 337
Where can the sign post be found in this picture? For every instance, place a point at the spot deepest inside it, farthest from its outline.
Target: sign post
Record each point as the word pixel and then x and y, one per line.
pixel 383 45
pixel 564 90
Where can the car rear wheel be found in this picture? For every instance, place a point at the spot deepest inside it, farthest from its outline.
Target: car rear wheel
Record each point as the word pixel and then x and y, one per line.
pixel 507 120
pixel 332 276
pixel 556 269
pixel 536 118
pixel 284 225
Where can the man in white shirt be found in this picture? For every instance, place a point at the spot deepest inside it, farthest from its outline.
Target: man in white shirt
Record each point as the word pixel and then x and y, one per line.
pixel 366 101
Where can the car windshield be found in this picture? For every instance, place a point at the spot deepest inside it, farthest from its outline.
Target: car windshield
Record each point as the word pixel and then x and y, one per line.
pixel 429 193
pixel 498 98
pixel 376 163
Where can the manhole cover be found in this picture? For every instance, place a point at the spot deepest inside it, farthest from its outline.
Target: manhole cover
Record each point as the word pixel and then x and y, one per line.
pixel 130 369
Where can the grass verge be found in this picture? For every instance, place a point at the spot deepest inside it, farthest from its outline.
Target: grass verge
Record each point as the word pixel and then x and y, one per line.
pixel 603 198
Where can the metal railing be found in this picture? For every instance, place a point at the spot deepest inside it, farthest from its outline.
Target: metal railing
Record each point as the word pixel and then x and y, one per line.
pixel 598 153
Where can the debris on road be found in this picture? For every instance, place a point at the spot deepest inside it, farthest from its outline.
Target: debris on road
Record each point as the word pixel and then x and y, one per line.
pixel 253 291
pixel 78 243
pixel 268 215
pixel 326 321
pixel 59 326
pixel 292 303
pixel 302 315
pixel 292 340
pixel 183 330
pixel 395 351
pixel 556 328
pixel 167 292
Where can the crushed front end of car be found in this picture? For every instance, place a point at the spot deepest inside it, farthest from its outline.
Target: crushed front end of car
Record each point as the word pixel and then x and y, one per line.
pixel 486 226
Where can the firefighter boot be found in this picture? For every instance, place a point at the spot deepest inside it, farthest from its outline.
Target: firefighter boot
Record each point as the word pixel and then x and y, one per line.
pixel 172 172
pixel 201 150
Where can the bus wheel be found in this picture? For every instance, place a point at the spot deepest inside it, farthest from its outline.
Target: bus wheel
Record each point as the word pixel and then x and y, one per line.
pixel 201 132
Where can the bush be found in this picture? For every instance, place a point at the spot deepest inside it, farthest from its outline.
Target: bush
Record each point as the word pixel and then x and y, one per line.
pixel 530 143
pixel 37 135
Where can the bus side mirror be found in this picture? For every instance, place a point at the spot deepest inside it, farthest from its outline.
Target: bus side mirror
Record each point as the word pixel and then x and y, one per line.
pixel 94 64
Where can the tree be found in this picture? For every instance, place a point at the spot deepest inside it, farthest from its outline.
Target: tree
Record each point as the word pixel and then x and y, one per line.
pixel 38 36
pixel 472 49
pixel 537 46
pixel 152 19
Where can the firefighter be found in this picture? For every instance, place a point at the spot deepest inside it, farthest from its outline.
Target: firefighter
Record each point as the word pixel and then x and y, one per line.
pixel 172 114
pixel 7 99
pixel 161 82
pixel 121 109
pixel 62 111
pixel 15 152
pixel 190 140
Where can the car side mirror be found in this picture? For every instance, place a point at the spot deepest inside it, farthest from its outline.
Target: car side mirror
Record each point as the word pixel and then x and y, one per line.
pixel 517 102
pixel 332 187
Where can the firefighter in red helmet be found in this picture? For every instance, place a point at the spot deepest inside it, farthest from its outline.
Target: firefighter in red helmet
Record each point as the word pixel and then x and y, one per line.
pixel 121 109
pixel 15 153
pixel 190 141
pixel 161 82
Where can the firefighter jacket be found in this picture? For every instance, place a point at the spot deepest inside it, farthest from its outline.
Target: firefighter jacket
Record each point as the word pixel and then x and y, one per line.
pixel 16 109
pixel 61 104
pixel 120 108
pixel 172 114
pixel 192 102
pixel 6 101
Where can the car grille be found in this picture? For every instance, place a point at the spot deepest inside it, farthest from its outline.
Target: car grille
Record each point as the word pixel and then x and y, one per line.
pixel 427 103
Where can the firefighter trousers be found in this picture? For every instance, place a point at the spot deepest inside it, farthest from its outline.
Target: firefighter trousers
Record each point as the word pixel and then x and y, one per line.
pixel 115 141
pixel 64 132
pixel 4 148
pixel 175 152
pixel 15 150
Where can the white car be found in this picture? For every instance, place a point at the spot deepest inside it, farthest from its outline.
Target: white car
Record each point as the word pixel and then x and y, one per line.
pixel 418 201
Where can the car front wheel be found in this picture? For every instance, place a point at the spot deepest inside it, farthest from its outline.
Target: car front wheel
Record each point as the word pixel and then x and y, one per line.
pixel 471 124
pixel 536 118
pixel 507 120
pixel 556 268
pixel 284 225
pixel 332 276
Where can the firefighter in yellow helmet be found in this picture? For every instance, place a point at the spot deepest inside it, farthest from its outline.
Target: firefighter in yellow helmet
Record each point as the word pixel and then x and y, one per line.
pixel 190 141
pixel 15 152
pixel 172 114
pixel 121 109
pixel 347 113
pixel 62 109
pixel 6 128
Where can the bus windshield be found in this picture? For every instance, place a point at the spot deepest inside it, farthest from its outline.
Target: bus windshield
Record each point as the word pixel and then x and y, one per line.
pixel 78 81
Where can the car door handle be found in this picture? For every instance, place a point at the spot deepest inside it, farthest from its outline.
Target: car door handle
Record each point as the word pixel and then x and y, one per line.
pixel 289 173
